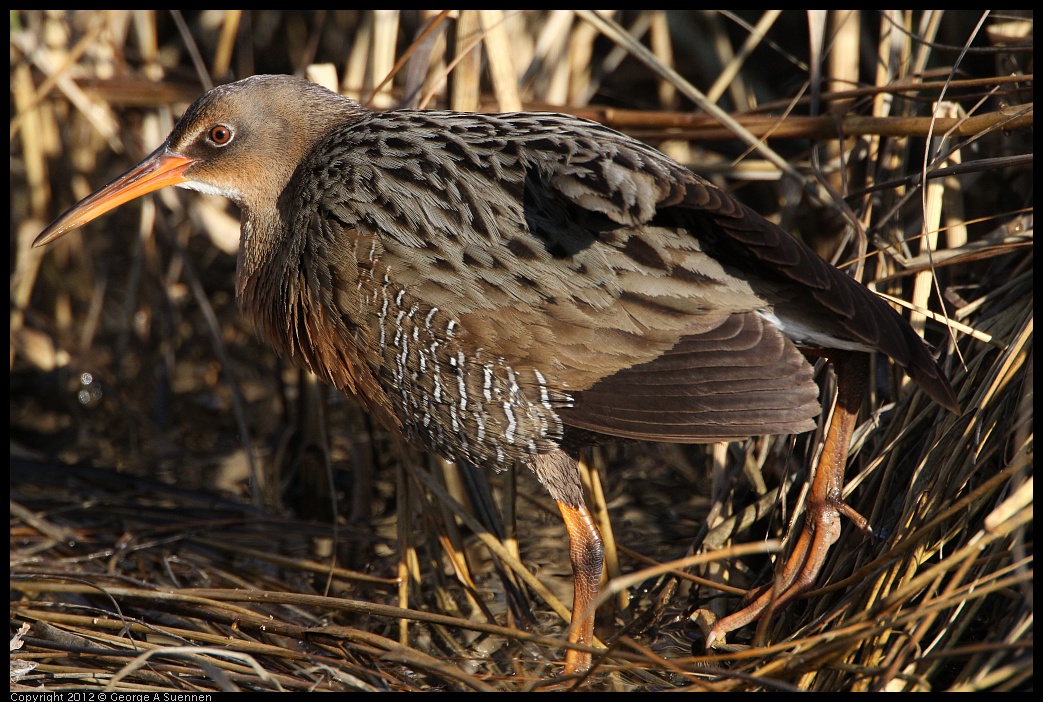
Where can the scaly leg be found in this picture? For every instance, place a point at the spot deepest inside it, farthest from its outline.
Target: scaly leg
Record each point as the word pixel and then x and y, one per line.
pixel 559 473
pixel 824 507
pixel 587 555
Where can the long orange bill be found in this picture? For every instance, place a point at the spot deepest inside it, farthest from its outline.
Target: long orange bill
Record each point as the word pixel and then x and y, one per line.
pixel 162 168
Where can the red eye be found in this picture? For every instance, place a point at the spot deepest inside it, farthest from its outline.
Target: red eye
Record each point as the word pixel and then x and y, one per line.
pixel 220 134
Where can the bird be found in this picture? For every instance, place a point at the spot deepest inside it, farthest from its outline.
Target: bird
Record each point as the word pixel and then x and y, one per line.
pixel 511 288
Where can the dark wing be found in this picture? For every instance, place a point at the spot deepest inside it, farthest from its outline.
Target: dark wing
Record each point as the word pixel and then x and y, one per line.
pixel 817 304
pixel 739 379
pixel 816 292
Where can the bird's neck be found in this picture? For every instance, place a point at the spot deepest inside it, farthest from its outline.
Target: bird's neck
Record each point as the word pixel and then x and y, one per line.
pixel 295 314
pixel 265 272
pixel 257 244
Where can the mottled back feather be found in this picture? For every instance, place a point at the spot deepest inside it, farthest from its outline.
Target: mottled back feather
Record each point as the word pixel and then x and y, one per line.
pixel 482 281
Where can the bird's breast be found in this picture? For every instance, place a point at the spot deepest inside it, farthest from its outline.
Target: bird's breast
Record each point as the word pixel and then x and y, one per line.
pixel 361 329
pixel 459 399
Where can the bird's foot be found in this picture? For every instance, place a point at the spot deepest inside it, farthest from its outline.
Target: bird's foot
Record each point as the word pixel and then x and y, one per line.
pixel 802 568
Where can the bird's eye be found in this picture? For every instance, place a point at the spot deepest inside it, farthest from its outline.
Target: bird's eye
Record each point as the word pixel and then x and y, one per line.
pixel 220 134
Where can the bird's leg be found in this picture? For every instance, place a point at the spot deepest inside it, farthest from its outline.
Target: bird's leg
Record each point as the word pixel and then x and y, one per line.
pixel 824 505
pixel 559 473
pixel 587 554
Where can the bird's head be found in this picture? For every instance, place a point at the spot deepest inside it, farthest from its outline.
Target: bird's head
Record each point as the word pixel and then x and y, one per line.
pixel 241 141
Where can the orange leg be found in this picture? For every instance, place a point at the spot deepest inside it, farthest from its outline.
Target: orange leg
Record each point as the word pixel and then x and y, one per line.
pixel 824 507
pixel 587 554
